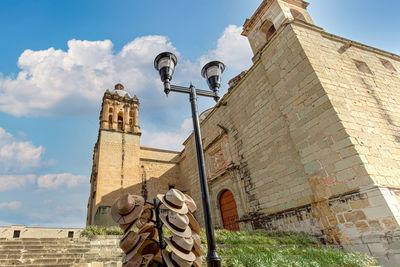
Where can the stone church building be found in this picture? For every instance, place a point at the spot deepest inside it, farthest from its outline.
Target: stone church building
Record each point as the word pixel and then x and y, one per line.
pixel 307 139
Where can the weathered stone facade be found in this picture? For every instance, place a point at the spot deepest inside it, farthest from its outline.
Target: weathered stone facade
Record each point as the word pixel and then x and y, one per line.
pixel 308 139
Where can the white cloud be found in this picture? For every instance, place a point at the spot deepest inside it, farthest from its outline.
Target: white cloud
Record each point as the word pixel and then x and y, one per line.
pixel 8 182
pixel 169 139
pixel 17 156
pixel 232 48
pixel 55 82
pixel 51 181
pixel 10 205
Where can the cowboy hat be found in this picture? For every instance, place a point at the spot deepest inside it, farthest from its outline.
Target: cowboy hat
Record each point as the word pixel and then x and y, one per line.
pixel 193 224
pixel 172 260
pixel 138 261
pixel 149 228
pixel 190 203
pixel 131 243
pixel 174 200
pixel 177 223
pixel 147 214
pixel 182 247
pixel 127 208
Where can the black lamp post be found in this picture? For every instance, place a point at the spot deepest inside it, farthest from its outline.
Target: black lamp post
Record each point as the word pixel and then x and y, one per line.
pixel 165 64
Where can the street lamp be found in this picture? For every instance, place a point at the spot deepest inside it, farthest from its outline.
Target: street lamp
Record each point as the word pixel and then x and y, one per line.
pixel 165 64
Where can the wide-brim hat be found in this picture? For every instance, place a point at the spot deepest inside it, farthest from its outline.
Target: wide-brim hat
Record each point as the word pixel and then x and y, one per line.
pixel 147 214
pixel 131 242
pixel 127 208
pixel 196 245
pixel 190 203
pixel 149 228
pixel 182 252
pixel 172 260
pixel 174 200
pixel 170 221
pixel 138 261
pixel 193 223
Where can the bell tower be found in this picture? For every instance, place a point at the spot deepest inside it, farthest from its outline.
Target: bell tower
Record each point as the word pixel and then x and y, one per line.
pixel 120 111
pixel 116 154
pixel 268 19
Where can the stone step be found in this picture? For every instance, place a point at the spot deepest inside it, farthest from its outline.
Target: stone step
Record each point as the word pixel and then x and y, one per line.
pixel 42 242
pixel 54 260
pixel 28 247
pixel 29 255
pixel 45 251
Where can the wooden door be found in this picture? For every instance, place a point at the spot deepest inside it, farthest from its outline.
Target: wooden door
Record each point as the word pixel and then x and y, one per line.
pixel 228 211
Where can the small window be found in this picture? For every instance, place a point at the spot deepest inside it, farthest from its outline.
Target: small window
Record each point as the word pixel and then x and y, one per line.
pixel 387 64
pixel 268 29
pixel 171 186
pixel 362 66
pixel 131 122
pixel 16 233
pixel 110 110
pixel 70 234
pixel 297 15
pixel 131 113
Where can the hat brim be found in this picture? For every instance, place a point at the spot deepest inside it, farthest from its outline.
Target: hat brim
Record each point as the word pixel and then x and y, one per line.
pixel 132 253
pixel 167 260
pixel 196 248
pixel 186 233
pixel 193 223
pixel 148 226
pixel 182 210
pixel 198 261
pixel 144 261
pixel 180 254
pixel 141 222
pixel 128 218
pixel 190 203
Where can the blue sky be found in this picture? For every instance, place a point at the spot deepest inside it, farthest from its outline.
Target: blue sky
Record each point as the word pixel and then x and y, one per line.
pixel 58 57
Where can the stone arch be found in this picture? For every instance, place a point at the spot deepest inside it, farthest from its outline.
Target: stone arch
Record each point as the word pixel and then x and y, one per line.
pixel 297 15
pixel 228 209
pixel 268 29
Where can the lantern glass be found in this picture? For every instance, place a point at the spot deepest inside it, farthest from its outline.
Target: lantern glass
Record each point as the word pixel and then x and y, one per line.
pixel 213 71
pixel 166 62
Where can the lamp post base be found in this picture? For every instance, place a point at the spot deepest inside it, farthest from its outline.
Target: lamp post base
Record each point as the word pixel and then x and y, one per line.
pixel 213 260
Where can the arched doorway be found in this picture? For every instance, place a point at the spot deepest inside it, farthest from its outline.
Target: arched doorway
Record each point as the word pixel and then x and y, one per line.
pixel 229 211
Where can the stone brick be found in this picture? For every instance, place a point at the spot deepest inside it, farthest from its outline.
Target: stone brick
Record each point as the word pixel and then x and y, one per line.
pixel 355 216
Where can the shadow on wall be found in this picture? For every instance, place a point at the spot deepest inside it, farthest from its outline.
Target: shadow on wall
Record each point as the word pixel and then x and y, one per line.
pixel 151 187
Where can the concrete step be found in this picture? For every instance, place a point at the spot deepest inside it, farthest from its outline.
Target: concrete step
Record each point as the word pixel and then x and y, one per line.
pixel 44 251
pixel 54 260
pixel 29 247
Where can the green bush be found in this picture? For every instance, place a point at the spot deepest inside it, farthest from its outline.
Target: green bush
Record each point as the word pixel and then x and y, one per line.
pixel 94 230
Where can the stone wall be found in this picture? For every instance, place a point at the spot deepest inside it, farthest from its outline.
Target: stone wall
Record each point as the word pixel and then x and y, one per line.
pixel 7 232
pixel 312 137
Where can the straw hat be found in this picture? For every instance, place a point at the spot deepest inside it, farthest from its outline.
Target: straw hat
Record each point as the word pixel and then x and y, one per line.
pixel 138 261
pixel 147 214
pixel 177 223
pixel 127 208
pixel 196 245
pixel 190 203
pixel 149 228
pixel 172 260
pixel 198 261
pixel 182 247
pixel 174 200
pixel 193 224
pixel 131 243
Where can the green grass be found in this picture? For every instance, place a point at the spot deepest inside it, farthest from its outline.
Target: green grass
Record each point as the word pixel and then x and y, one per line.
pixel 260 256
pixel 266 248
